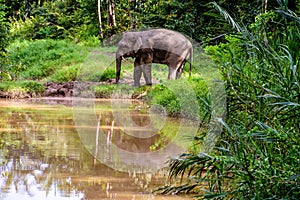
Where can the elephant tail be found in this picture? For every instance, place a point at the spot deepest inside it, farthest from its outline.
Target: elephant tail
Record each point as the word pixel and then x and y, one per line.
pixel 191 61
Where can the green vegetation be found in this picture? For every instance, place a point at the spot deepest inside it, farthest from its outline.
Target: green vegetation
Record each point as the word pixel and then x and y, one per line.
pixel 99 65
pixel 257 156
pixel 180 97
pixel 21 89
pixel 41 58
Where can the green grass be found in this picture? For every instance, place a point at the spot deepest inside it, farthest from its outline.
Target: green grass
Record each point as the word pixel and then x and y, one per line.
pixel 98 66
pixel 183 97
pixel 21 89
pixel 36 60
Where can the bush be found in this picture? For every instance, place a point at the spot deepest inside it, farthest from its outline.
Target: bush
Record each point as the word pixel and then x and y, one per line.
pixel 108 74
pixel 99 75
pixel 65 75
pixel 182 97
pixel 161 95
pixel 31 86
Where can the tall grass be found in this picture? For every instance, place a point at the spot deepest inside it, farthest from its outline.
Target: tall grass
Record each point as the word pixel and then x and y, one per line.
pixel 258 154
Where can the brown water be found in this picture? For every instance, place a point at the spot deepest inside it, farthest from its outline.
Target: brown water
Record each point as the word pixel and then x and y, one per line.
pixel 52 149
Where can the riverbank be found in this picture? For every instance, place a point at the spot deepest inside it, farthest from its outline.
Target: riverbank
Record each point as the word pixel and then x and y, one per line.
pixel 33 89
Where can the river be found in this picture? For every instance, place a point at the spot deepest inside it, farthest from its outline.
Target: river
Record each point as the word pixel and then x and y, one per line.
pixel 53 148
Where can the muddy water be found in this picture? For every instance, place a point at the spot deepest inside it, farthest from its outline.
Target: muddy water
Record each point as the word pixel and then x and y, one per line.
pixel 55 149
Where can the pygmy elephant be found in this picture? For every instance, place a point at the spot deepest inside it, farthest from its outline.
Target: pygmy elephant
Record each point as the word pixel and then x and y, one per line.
pixel 154 46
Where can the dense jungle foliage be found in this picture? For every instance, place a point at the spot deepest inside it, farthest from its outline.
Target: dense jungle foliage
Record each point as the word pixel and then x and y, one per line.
pixel 255 45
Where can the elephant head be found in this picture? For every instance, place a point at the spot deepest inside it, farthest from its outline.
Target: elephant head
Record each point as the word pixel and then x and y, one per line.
pixel 127 47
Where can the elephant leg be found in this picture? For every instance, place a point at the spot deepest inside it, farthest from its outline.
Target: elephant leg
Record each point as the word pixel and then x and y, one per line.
pixel 180 70
pixel 147 73
pixel 178 73
pixel 172 73
pixel 137 73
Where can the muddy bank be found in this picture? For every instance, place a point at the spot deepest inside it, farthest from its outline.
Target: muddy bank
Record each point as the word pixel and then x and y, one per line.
pixel 75 89
pixel 67 89
pixel 52 89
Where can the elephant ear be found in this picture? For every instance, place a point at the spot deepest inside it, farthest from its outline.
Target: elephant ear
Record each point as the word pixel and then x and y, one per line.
pixel 138 44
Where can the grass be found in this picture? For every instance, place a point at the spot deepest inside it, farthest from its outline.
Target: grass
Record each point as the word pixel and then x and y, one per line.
pixel 39 59
pixel 51 60
pixel 21 89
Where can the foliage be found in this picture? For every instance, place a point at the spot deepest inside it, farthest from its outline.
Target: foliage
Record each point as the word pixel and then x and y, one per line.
pixel 182 98
pixel 3 28
pixel 78 19
pixel 120 91
pixel 99 75
pixel 40 58
pixel 257 156
pixel 108 74
pixel 99 65
pixel 65 74
pixel 161 95
pixel 104 91
pixel 56 19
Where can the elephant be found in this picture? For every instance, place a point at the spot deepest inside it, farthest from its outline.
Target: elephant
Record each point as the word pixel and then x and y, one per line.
pixel 154 46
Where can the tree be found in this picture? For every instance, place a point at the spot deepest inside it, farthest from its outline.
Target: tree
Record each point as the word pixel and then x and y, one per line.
pixel 264 5
pixel 99 19
pixel 111 18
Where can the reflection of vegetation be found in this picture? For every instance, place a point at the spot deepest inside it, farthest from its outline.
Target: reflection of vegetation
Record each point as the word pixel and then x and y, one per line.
pixel 40 149
pixel 38 146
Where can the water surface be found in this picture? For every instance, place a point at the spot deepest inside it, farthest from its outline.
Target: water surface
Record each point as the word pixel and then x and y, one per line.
pixel 47 154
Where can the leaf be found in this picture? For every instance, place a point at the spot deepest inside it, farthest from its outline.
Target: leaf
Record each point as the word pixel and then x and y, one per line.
pixel 285 103
pixel 296 176
pixel 227 16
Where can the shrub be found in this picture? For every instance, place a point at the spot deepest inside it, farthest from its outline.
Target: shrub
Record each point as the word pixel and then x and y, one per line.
pixel 99 75
pixel 181 97
pixel 65 75
pixel 32 86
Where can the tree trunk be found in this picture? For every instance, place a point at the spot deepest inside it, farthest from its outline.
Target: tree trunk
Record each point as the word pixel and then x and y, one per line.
pixel 135 10
pixel 99 19
pixel 264 6
pixel 111 19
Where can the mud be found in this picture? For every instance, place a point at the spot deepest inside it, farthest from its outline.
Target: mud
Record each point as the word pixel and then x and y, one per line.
pixel 70 89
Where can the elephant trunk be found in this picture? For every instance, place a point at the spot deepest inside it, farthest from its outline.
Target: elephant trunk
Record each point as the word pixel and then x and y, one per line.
pixel 118 68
